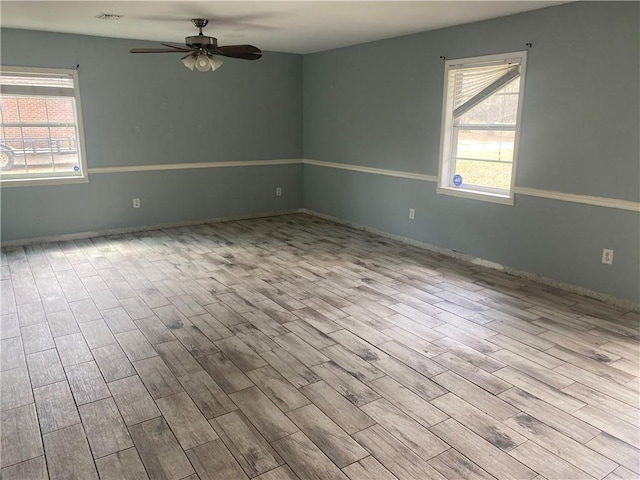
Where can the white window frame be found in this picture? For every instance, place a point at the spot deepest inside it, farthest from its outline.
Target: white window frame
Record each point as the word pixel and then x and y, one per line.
pixel 48 179
pixel 446 168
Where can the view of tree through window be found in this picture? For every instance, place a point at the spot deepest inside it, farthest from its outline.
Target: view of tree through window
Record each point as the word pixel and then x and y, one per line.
pixel 485 139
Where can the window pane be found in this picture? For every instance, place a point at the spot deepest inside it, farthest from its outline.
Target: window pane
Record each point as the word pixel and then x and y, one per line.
pixel 60 110
pixel 485 174
pixel 495 145
pixel 41 149
pixel 39 136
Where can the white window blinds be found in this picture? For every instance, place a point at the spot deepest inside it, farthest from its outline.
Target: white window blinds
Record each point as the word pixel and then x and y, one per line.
pixel 471 85
pixel 59 85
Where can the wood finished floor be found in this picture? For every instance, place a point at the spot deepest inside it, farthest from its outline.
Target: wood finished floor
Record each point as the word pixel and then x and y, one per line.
pixel 290 347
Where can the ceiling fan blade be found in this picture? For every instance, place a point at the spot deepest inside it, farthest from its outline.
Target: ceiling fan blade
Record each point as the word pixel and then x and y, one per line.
pixel 181 48
pixel 246 52
pixel 157 50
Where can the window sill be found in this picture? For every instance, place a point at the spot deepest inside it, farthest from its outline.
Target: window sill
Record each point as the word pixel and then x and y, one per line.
pixel 31 182
pixel 476 195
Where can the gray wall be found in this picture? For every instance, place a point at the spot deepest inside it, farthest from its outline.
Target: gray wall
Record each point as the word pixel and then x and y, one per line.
pixel 149 110
pixel 373 105
pixel 380 105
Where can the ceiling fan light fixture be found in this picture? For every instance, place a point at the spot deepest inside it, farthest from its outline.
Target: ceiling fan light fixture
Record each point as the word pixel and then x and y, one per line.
pixel 204 62
pixel 215 63
pixel 189 61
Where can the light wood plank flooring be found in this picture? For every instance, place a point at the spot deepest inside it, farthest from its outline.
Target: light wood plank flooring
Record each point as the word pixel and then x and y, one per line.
pixel 290 347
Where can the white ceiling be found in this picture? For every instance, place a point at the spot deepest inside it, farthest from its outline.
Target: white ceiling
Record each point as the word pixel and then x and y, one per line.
pixel 281 26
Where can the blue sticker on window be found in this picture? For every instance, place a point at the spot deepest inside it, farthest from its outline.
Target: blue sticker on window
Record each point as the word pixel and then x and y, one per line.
pixel 457 180
pixel 76 168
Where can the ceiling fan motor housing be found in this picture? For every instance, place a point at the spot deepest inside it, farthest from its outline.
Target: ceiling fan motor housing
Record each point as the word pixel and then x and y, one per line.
pixel 199 41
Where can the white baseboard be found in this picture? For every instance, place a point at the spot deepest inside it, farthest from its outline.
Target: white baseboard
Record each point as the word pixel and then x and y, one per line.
pixel 116 231
pixel 567 287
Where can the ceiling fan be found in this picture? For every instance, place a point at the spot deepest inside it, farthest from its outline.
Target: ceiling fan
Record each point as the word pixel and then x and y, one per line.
pixel 202 50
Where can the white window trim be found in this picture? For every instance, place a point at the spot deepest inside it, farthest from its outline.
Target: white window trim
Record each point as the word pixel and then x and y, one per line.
pixel 446 147
pixel 7 181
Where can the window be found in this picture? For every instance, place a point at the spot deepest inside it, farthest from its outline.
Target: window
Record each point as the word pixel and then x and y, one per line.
pixel 481 119
pixel 41 137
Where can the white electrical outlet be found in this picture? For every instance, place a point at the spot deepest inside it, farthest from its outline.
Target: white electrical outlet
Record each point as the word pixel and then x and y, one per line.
pixel 607 256
pixel 136 203
pixel 278 192
pixel 412 213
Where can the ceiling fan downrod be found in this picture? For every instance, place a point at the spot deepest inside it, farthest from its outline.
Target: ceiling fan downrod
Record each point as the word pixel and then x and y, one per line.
pixel 200 23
